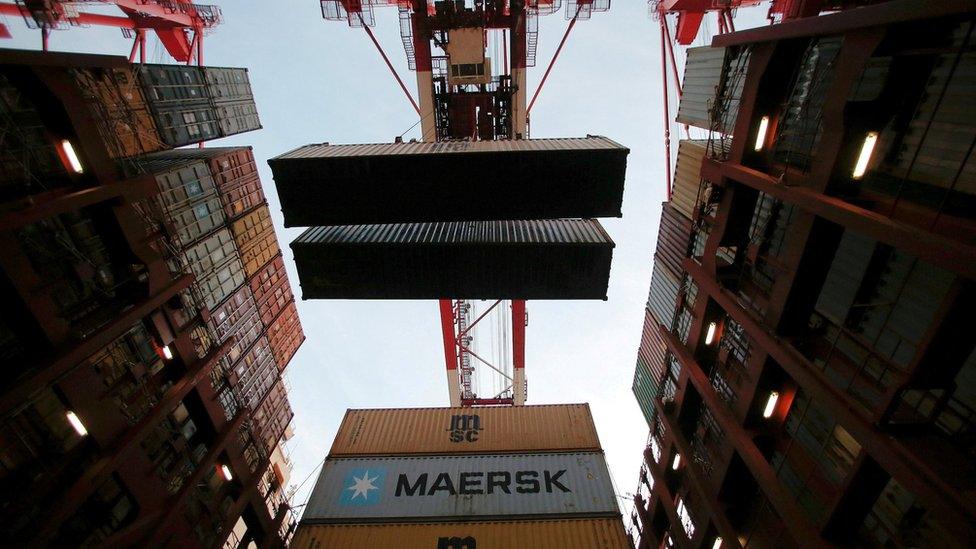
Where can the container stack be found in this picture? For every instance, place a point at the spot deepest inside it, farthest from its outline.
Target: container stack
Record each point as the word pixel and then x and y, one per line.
pixel 212 207
pixel 507 477
pixel 508 219
pixel 677 235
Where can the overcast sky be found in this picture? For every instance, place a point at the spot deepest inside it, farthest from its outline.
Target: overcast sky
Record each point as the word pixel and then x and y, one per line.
pixel 317 81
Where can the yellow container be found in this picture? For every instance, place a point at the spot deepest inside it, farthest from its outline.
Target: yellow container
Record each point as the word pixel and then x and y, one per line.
pixel 687 175
pixel 255 239
pixel 538 534
pixel 413 431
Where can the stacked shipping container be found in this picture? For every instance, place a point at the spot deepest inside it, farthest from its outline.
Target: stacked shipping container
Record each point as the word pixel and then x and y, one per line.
pixel 673 241
pixel 443 477
pixel 211 202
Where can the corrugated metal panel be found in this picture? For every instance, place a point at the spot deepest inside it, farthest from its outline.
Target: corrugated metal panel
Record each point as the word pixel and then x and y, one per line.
pixel 699 88
pixel 537 534
pixel 650 367
pixel 271 289
pixel 435 430
pixel 844 278
pixel 285 335
pixel 447 487
pixel 237 117
pixel 673 236
pixel 256 239
pixel 327 150
pixel 687 176
pixel 450 181
pixel 547 259
pixel 228 84
pixel 663 296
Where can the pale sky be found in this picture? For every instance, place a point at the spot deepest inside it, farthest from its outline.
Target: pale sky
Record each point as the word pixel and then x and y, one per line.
pixel 317 80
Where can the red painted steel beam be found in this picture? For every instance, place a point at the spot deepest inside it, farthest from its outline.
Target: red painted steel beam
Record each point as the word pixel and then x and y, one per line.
pixel 83 18
pixel 876 15
pixel 447 331
pixel 47 373
pixel 947 253
pixel 902 463
pixel 518 333
pixel 667 108
pixel 786 506
pixel 555 56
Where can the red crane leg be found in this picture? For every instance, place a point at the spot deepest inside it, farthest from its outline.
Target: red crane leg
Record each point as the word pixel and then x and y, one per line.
pixel 450 350
pixel 519 321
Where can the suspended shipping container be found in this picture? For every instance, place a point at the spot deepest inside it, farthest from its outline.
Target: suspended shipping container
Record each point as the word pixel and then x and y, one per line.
pixel 673 236
pixel 388 489
pixel 450 181
pixel 662 300
pixel 687 176
pixel 546 259
pixel 466 430
pixel 535 534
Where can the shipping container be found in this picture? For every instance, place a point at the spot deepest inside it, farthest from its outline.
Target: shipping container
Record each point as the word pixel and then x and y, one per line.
pixel 169 85
pixel 450 181
pixel 216 265
pixel 119 109
pixel 687 176
pixel 712 85
pixel 256 239
pixel 539 259
pixel 226 84
pixel 391 489
pixel 408 431
pixel 271 289
pixel 673 236
pixel 237 178
pixel 237 117
pixel 535 534
pixel 181 125
pixel 649 370
pixel 662 300
pixel 255 373
pixel 231 315
pixel 286 335
pixel 272 415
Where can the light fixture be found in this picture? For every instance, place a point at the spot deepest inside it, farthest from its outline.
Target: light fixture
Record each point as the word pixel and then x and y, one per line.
pixel 710 334
pixel 865 155
pixel 75 422
pixel 69 152
pixel 761 135
pixel 676 462
pixel 167 352
pixel 770 404
pixel 717 543
pixel 225 470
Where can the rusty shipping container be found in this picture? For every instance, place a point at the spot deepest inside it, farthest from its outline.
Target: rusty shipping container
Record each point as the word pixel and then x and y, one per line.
pixel 119 109
pixel 485 486
pixel 271 289
pixel 236 175
pixel 451 181
pixel 536 534
pixel 540 259
pixel 285 335
pixel 673 236
pixel 272 416
pixel 412 431
pixel 256 239
pixel 687 176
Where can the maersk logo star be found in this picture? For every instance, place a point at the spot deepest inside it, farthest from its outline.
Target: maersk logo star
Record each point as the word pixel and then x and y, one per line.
pixel 362 487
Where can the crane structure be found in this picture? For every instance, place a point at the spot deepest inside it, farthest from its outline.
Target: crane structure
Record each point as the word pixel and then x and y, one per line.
pixel 180 26
pixel 464 94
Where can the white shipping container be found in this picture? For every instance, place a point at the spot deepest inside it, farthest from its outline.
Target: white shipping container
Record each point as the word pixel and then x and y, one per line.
pixel 388 489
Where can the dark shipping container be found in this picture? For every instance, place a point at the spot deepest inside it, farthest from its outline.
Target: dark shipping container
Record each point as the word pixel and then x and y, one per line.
pixel 450 181
pixel 539 259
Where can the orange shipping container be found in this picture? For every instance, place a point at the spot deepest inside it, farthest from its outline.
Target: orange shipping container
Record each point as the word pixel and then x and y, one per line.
pixel 255 239
pixel 286 335
pixel 119 108
pixel 408 431
pixel 538 534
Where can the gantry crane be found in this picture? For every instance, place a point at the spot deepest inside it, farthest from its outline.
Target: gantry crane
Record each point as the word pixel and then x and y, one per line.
pixel 180 26
pixel 463 96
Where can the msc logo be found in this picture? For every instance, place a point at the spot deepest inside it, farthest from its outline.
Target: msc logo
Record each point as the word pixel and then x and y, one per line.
pixel 456 543
pixel 362 487
pixel 464 428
